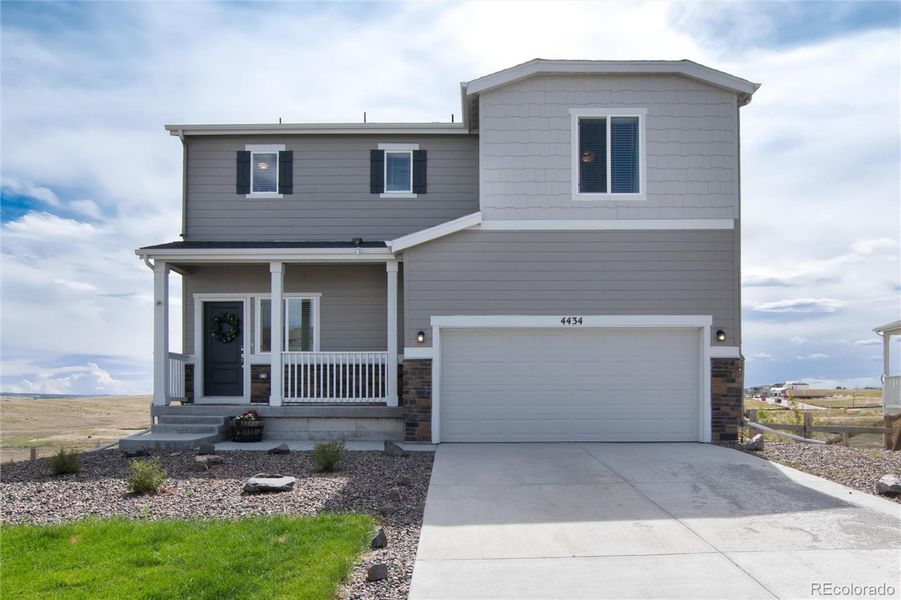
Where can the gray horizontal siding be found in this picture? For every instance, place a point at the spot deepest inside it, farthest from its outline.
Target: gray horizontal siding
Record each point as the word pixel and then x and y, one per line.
pixel 331 199
pixel 588 273
pixel 353 305
pixel 692 148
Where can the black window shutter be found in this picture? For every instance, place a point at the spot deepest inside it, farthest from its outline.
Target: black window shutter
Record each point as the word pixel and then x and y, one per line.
pixel 376 171
pixel 286 172
pixel 419 172
pixel 242 174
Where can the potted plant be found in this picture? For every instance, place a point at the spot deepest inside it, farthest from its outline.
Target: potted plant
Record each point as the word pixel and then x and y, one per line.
pixel 247 427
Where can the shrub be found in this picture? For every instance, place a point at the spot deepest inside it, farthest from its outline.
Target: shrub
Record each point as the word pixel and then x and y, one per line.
pixel 145 476
pixel 64 463
pixel 327 455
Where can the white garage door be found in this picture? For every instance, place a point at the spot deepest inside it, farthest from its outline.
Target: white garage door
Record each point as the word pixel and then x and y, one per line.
pixel 509 385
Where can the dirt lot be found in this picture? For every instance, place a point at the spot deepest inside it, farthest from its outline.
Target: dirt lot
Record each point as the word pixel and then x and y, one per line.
pixel 48 424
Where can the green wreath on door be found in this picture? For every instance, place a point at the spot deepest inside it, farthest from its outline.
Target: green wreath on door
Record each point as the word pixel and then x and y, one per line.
pixel 225 327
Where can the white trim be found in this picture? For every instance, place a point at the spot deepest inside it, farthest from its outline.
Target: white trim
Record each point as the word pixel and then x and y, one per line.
pixel 398 195
pixel 553 321
pixel 265 255
pixel 265 195
pixel 725 352
pixel 700 322
pixel 605 224
pixel 409 190
pixel 160 334
pixel 537 66
pixel 264 149
pixel 267 148
pixel 391 367
pixel 427 235
pixel 318 129
pixel 596 112
pixel 399 147
pixel 418 352
pixel 199 397
pixel 258 327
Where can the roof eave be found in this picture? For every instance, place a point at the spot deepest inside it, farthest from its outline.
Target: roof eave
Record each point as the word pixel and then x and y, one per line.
pixel 318 129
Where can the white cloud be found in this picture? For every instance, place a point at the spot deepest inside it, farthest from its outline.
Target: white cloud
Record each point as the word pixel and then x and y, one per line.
pixel 815 356
pixel 77 379
pixel 45 195
pixel 800 305
pixel 797 340
pixel 868 342
pixel 761 356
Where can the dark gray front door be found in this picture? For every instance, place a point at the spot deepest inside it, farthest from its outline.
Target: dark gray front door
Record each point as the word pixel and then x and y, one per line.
pixel 223 371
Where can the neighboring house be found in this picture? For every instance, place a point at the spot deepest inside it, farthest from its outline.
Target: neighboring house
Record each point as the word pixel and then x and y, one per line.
pixel 562 265
pixel 891 383
pixel 797 385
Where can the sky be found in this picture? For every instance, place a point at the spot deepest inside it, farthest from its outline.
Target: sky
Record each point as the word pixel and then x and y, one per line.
pixel 87 172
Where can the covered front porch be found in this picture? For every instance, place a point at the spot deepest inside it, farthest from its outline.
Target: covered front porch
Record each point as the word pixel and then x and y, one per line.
pixel 336 308
pixel 891 380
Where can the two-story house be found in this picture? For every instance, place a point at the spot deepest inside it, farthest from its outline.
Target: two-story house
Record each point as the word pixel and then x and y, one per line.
pixel 562 265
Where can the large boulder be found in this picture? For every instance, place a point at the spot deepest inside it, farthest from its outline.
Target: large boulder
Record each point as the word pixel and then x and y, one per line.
pixel 263 483
pixel 377 572
pixel 392 449
pixel 282 449
pixel 755 444
pixel 889 485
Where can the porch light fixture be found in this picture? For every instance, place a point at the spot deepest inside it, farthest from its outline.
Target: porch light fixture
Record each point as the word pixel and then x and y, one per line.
pixel 420 336
pixel 720 335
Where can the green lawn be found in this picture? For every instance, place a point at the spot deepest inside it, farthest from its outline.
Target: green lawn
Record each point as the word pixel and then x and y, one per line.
pixel 274 557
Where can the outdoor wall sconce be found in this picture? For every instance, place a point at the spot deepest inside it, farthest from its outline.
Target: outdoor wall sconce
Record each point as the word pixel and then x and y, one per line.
pixel 420 336
pixel 720 335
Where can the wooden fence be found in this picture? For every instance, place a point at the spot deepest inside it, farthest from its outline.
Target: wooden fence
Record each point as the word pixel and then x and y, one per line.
pixel 844 433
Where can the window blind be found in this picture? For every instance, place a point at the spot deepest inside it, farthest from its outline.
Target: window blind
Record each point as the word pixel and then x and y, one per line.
pixel 624 155
pixel 593 155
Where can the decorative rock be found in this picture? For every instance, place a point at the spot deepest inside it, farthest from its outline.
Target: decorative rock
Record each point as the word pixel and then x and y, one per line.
pixel 206 448
pixel 380 540
pixel 283 449
pixel 392 449
pixel 209 459
pixel 755 444
pixel 404 481
pixel 377 572
pixel 394 495
pixel 889 485
pixel 137 453
pixel 269 482
pixel 387 508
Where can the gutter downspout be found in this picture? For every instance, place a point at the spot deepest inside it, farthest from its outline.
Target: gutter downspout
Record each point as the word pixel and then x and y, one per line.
pixel 184 182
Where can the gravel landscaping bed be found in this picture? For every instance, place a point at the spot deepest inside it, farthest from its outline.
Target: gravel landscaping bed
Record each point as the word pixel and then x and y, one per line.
pixel 854 467
pixel 393 488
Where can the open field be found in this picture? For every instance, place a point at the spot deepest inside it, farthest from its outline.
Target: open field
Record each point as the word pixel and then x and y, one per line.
pixel 80 422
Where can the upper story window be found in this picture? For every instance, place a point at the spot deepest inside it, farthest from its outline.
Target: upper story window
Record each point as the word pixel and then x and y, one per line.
pixel 265 171
pixel 397 171
pixel 608 153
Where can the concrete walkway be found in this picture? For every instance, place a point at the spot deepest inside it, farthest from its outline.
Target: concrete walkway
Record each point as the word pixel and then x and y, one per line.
pixel 643 521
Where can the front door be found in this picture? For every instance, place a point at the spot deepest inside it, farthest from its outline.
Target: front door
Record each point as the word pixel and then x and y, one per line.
pixel 223 344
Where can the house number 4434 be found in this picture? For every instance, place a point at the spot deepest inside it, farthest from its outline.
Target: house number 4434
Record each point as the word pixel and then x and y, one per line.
pixel 571 320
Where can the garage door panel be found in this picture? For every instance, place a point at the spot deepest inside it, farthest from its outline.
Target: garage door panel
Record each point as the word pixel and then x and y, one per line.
pixel 569 385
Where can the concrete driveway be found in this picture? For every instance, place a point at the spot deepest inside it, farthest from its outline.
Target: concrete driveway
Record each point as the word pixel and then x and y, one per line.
pixel 644 521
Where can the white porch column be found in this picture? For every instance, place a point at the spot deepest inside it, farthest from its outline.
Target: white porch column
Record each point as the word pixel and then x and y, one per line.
pixel 886 356
pixel 391 268
pixel 160 333
pixel 276 269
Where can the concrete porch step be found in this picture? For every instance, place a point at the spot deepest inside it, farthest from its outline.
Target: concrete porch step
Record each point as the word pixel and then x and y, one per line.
pixel 166 441
pixel 192 420
pixel 188 428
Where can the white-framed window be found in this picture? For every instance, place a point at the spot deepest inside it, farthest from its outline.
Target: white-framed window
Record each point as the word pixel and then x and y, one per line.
pixel 608 153
pixel 300 323
pixel 398 169
pixel 264 170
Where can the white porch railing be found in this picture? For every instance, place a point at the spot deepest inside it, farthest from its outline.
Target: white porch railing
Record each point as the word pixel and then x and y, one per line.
pixel 891 395
pixel 335 376
pixel 177 364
